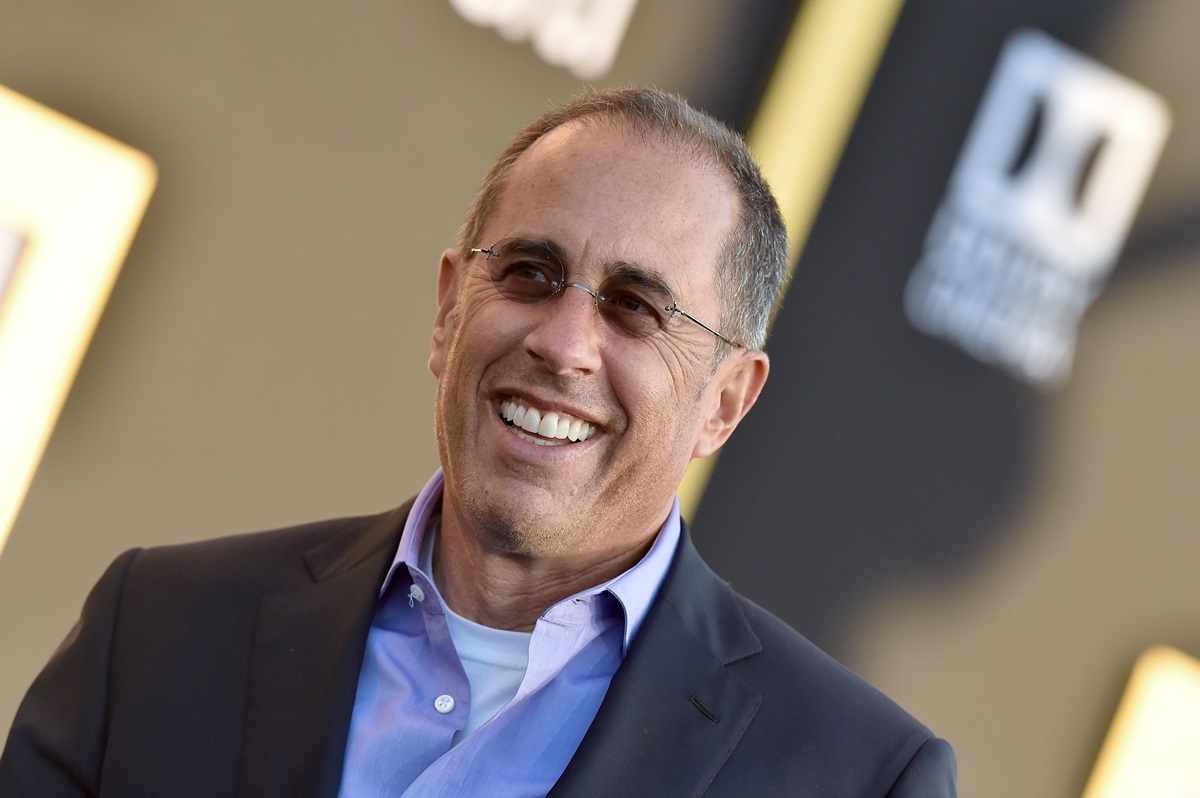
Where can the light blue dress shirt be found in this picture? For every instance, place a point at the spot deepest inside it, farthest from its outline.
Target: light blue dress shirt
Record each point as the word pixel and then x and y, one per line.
pixel 414 696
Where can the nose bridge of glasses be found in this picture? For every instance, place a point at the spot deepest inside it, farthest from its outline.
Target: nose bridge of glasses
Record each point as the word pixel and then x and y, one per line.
pixel 593 294
pixel 569 332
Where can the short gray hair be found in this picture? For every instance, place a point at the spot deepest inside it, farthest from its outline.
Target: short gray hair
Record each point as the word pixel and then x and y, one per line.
pixel 753 264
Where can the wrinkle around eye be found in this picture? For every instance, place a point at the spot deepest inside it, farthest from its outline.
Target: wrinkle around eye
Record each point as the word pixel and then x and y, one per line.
pixel 680 351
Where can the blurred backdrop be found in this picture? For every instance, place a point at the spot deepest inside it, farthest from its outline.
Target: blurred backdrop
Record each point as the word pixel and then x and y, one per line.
pixel 992 554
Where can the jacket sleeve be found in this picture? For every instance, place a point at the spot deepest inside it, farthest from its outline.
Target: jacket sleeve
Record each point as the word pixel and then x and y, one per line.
pixel 56 746
pixel 931 773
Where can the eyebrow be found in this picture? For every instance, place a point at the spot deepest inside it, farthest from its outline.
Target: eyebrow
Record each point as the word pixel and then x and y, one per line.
pixel 536 247
pixel 648 279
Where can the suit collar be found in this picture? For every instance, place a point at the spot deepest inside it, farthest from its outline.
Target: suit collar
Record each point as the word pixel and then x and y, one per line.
pixel 374 536
pixel 307 652
pixel 673 712
pixel 672 715
pixel 708 607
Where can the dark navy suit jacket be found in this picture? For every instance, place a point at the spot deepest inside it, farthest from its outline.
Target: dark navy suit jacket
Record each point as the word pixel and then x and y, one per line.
pixel 229 668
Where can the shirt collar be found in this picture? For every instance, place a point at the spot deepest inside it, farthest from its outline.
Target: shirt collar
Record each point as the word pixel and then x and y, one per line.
pixel 409 551
pixel 635 589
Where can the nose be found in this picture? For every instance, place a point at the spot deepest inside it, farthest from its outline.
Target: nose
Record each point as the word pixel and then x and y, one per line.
pixel 567 338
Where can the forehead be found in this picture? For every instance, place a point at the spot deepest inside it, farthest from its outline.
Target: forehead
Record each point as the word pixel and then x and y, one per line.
pixel 606 195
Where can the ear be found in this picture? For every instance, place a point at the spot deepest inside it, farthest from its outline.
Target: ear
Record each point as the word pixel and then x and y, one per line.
pixel 733 391
pixel 443 322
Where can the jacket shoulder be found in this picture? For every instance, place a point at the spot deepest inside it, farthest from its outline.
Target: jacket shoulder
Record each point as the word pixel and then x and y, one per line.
pixel 857 739
pixel 259 562
pixel 791 667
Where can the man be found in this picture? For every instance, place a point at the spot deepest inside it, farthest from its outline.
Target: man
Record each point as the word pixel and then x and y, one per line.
pixel 536 621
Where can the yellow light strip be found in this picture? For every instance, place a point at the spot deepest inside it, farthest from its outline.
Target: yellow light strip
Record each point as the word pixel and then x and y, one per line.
pixel 1153 747
pixel 76 197
pixel 803 122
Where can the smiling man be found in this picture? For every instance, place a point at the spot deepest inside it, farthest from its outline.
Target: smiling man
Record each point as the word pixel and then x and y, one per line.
pixel 536 622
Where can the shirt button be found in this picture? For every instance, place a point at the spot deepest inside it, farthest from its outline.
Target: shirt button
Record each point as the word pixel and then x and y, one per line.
pixel 416 592
pixel 444 704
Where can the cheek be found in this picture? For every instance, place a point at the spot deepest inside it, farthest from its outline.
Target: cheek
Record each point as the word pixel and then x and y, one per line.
pixel 685 372
pixel 659 407
pixel 477 328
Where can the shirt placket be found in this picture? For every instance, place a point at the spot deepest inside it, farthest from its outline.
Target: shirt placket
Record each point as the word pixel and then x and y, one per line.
pixel 447 692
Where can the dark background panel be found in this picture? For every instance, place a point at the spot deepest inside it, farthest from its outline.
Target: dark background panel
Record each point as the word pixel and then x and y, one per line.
pixel 900 456
pixel 1020 547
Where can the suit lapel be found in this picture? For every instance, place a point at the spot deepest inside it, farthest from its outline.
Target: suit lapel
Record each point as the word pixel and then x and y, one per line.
pixel 308 649
pixel 673 713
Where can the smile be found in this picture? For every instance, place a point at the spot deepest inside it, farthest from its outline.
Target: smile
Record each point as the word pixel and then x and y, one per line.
pixel 544 427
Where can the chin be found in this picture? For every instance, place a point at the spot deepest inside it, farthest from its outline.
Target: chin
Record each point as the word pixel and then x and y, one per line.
pixel 522 531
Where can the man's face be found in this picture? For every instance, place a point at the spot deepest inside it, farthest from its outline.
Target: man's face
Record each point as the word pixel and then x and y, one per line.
pixel 609 201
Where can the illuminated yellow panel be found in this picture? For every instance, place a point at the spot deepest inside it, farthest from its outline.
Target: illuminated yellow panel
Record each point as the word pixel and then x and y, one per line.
pixel 70 201
pixel 1153 747
pixel 803 122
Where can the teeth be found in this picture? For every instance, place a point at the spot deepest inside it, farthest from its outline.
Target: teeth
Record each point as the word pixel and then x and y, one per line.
pixel 551 425
pixel 538 441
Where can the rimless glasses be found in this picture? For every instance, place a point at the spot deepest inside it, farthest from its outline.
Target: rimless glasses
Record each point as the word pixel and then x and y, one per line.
pixel 630 301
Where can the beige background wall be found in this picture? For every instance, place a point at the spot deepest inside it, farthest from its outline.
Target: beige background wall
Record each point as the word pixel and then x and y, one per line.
pixel 262 358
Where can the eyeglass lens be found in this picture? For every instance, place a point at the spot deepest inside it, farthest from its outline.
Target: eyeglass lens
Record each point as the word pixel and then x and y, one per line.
pixel 528 273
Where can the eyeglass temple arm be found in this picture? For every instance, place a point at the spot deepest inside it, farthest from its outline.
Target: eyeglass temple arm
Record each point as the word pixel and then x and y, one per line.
pixel 676 309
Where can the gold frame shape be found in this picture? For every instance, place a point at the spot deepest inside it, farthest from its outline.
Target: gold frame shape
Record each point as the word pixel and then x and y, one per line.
pixel 1153 747
pixel 70 202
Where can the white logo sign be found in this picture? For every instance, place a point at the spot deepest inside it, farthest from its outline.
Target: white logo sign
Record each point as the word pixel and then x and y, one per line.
pixel 581 35
pixel 1038 208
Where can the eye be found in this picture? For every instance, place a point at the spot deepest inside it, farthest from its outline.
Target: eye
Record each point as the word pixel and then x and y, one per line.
pixel 622 301
pixel 636 313
pixel 521 269
pixel 523 276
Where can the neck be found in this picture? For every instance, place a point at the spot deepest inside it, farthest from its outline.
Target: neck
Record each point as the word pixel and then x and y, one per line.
pixel 511 591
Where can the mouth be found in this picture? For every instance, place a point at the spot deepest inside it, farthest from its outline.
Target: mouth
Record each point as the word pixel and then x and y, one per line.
pixel 544 427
